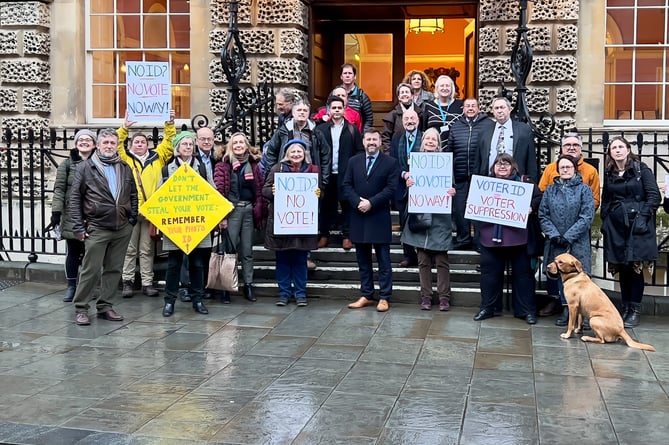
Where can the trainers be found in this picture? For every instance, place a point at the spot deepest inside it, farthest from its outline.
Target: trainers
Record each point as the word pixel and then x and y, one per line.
pixel 128 289
pixel 150 291
pixel 301 302
pixel 426 303
pixel 282 301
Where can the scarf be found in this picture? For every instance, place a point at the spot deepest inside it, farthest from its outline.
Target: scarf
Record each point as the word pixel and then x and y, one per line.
pixel 114 159
pixel 238 162
pixel 292 168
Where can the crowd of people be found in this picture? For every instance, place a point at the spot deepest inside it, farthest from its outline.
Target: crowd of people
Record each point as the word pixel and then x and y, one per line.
pixel 363 174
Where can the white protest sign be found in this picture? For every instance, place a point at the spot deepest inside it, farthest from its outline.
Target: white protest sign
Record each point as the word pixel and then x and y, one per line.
pixel 148 92
pixel 666 183
pixel 499 201
pixel 295 204
pixel 433 176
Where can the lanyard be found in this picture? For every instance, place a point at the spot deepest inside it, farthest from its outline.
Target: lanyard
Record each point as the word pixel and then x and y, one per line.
pixel 441 111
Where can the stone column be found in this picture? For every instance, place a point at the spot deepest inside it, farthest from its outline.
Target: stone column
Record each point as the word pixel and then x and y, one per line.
pixel 25 77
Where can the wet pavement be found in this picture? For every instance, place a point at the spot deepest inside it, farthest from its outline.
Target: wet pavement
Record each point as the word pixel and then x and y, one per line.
pixel 324 374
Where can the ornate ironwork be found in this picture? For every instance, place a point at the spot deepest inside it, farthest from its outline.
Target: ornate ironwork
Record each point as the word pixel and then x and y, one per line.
pixel 249 110
pixel 521 66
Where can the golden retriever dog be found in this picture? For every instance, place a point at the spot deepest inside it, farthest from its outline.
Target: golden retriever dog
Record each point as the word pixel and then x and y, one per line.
pixel 587 300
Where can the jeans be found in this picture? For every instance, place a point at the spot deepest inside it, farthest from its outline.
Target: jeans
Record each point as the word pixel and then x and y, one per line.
pixel 240 229
pixel 291 273
pixel 363 253
pixel 195 271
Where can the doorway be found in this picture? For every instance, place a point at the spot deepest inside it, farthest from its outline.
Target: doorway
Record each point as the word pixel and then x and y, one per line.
pixel 385 40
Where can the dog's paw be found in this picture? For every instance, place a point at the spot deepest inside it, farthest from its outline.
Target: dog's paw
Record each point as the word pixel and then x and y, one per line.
pixel 565 335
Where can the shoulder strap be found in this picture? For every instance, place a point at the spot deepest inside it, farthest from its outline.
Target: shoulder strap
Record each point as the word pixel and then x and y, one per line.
pixel 165 173
pixel 202 169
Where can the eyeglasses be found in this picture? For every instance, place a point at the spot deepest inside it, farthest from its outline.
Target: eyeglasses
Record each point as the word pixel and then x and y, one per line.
pixel 206 139
pixel 503 163
pixel 571 146
pixel 84 141
pixel 566 167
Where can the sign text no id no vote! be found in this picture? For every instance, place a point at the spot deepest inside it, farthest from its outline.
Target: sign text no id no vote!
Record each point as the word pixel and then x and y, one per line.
pixel 186 208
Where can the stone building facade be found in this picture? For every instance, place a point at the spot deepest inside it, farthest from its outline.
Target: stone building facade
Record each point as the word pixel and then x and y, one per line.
pixel 42 56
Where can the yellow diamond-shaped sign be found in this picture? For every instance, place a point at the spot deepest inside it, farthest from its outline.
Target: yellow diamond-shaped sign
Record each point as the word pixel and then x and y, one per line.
pixel 186 208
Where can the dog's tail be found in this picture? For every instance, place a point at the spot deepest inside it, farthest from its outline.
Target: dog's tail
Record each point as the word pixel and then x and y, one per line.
pixel 635 344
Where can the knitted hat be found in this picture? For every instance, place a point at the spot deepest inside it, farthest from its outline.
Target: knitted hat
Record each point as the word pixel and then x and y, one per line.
pixel 177 139
pixel 295 141
pixel 85 132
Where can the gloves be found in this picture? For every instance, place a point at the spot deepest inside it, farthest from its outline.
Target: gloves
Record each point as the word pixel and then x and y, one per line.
pixel 559 241
pixel 55 218
pixel 132 220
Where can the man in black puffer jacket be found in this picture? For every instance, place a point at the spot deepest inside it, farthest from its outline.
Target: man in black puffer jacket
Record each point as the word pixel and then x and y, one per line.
pixel 462 142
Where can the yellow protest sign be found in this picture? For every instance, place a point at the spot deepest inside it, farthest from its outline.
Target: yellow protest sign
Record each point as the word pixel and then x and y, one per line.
pixel 186 208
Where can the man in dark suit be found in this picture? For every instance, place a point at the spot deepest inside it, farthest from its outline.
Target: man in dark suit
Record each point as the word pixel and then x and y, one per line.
pixel 345 141
pixel 369 184
pixel 507 136
pixel 400 147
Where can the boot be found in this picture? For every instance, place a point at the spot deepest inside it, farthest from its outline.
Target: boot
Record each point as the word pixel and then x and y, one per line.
pixel 634 316
pixel 128 289
pixel 426 303
pixel 69 293
pixel 225 297
pixel 627 310
pixel 444 304
pixel 249 293
pixel 564 318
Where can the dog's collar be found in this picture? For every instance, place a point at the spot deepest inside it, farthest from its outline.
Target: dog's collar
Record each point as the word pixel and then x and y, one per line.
pixel 567 275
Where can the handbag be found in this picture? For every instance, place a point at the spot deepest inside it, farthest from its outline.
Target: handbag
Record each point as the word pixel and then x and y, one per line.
pixel 419 222
pixel 223 265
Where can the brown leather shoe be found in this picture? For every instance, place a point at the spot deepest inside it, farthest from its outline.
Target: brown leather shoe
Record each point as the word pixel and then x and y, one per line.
pixel 82 319
pixel 323 242
pixel 346 244
pixel 110 315
pixel 361 302
pixel 382 306
pixel 407 263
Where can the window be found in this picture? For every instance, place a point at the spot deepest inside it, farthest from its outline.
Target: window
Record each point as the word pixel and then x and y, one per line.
pixel 146 30
pixel 372 54
pixel 637 75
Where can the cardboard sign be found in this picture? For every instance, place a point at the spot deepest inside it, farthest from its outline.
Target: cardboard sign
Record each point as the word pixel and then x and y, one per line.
pixel 433 174
pixel 148 91
pixel 295 204
pixel 186 208
pixel 499 201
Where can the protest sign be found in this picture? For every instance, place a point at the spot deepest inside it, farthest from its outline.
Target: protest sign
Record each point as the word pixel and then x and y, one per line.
pixel 148 91
pixel 295 204
pixel 186 208
pixel 433 176
pixel 499 201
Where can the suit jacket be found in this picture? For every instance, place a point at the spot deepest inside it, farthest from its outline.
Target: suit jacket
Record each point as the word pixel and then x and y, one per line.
pixel 524 151
pixel 373 226
pixel 398 151
pixel 350 144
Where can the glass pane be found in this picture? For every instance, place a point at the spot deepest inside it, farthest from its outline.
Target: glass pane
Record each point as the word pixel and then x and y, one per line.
pixel 155 31
pixel 623 21
pixel 104 70
pixel 102 6
pixel 180 31
pixel 372 54
pixel 129 31
pixel 154 6
pixel 157 56
pixel 646 101
pixel 104 99
pixel 102 31
pixel 181 68
pixel 126 6
pixel 181 101
pixel 179 6
pixel 650 26
pixel 619 64
pixel 650 2
pixel 618 100
pixel 649 65
pixel 620 3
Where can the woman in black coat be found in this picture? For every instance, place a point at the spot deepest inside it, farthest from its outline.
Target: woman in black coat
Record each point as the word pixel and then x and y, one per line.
pixel 630 198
